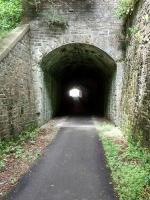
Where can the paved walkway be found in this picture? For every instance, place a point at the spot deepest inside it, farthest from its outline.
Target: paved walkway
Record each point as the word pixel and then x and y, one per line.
pixel 72 168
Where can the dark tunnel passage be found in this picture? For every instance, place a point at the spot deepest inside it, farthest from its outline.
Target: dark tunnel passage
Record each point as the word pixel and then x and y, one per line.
pixel 92 86
pixel 78 79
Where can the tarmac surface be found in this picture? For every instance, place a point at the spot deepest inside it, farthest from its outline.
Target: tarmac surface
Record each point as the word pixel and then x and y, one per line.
pixel 73 167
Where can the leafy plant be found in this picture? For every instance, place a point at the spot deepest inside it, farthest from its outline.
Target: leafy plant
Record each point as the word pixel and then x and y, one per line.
pixel 19 151
pixel 2 164
pixel 37 154
pixel 10 14
pixel 130 167
pixel 133 30
pixel 13 180
pixel 125 8
pixel 14 145
pixel 54 19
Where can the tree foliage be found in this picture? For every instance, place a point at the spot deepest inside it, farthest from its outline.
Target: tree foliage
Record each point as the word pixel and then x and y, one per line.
pixel 10 14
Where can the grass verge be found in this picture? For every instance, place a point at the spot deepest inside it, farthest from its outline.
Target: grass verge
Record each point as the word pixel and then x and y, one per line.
pixel 17 154
pixel 129 164
pixel 14 146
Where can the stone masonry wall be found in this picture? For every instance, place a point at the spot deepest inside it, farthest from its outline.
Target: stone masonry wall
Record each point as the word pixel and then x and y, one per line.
pixel 90 22
pixel 135 104
pixel 17 108
pixel 24 95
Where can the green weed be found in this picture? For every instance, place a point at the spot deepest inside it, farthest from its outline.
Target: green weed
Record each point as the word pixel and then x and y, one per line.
pixel 13 180
pixel 130 167
pixel 10 15
pixel 125 8
pixel 14 145
pixel 54 19
pixel 132 30
pixel 2 164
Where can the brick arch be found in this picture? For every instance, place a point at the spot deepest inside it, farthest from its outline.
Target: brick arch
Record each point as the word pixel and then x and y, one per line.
pixel 68 60
pixel 67 51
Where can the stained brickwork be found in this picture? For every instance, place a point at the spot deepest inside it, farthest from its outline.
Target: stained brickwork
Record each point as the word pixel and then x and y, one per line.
pixel 17 108
pixel 135 104
pixel 89 22
pixel 24 98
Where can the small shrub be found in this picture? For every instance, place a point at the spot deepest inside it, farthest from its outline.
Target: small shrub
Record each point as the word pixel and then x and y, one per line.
pixel 54 19
pixel 14 145
pixel 10 14
pixel 2 164
pixel 125 8
pixel 13 180
pixel 132 30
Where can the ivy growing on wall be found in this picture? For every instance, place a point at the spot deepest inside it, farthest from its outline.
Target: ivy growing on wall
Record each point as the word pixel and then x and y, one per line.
pixel 124 11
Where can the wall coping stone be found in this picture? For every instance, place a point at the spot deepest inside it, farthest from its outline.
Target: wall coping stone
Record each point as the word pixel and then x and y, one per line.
pixel 8 43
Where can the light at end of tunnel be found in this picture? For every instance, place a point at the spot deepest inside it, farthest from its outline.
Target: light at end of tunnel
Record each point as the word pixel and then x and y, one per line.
pixel 75 93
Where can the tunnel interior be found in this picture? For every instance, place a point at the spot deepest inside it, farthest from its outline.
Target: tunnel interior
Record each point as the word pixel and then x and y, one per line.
pixel 83 70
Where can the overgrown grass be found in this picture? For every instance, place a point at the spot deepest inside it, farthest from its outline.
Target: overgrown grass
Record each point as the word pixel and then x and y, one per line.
pixel 10 15
pixel 14 145
pixel 130 167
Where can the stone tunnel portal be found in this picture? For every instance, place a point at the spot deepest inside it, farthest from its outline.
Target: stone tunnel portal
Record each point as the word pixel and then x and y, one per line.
pixel 78 79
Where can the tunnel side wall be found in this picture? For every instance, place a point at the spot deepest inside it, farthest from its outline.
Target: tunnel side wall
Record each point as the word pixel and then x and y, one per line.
pixel 135 101
pixel 113 111
pixel 17 108
pixel 46 93
pixel 89 22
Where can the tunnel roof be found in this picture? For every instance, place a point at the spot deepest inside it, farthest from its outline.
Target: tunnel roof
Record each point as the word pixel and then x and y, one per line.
pixel 75 55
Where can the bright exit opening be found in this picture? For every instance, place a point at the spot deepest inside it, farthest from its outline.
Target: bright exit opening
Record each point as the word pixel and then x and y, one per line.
pixel 75 93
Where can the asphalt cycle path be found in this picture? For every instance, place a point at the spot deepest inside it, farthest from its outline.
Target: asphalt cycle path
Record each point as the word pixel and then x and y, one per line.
pixel 73 167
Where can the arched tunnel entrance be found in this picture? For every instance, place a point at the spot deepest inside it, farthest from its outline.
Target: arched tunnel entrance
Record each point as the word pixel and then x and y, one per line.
pixel 78 78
